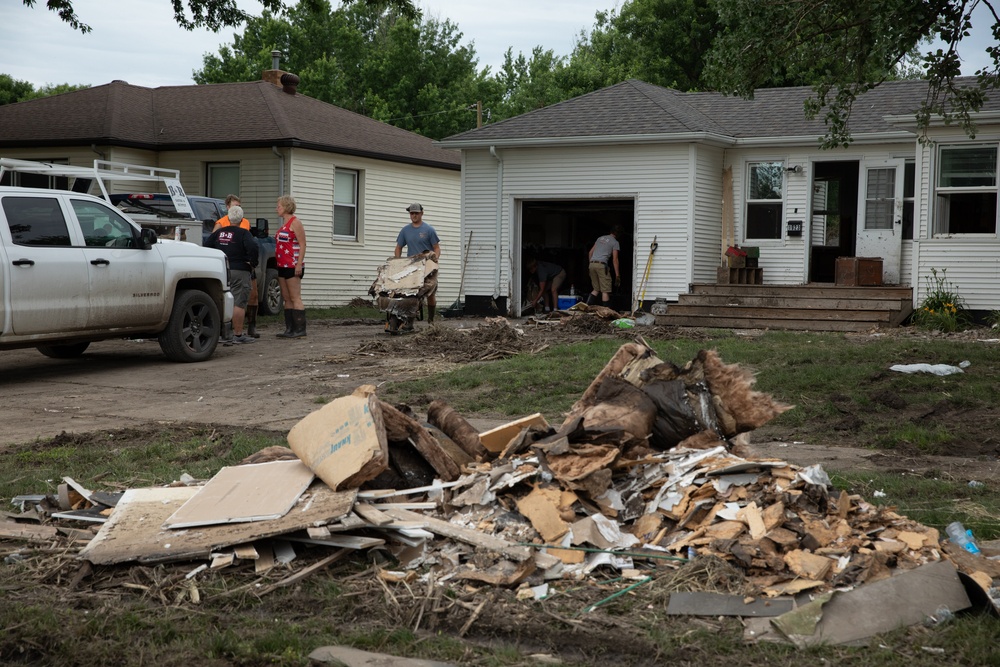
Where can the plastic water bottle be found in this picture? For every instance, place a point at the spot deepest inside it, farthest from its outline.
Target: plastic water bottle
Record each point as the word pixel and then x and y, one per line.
pixel 572 290
pixel 962 537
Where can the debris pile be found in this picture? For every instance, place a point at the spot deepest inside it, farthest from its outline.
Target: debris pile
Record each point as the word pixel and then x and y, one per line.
pixel 642 477
pixel 494 338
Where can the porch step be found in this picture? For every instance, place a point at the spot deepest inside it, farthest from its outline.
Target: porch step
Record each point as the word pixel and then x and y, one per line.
pixel 815 307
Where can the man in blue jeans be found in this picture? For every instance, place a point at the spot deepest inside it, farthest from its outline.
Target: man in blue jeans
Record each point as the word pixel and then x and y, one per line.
pixel 419 237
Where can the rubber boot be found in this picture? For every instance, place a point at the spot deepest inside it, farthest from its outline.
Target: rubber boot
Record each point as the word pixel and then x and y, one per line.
pixel 289 324
pixel 252 321
pixel 299 320
pixel 430 314
pixel 591 299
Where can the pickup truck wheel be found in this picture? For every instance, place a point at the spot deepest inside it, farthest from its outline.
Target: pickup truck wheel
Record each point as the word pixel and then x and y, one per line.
pixel 271 302
pixel 193 330
pixel 69 351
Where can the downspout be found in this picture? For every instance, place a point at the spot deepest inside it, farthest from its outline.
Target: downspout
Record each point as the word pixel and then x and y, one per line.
pixel 281 170
pixel 93 147
pixel 496 263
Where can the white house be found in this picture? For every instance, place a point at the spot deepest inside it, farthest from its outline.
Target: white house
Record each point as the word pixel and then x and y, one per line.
pixel 702 171
pixel 352 177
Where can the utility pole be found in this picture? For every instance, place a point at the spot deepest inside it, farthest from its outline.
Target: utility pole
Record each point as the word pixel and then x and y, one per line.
pixel 479 114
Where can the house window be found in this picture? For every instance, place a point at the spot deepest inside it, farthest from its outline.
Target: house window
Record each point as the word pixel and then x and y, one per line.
pixel 880 200
pixel 345 204
pixel 764 200
pixel 45 181
pixel 223 179
pixel 966 195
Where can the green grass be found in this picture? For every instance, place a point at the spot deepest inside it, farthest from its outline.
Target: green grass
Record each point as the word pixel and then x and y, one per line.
pixel 827 377
pixel 159 459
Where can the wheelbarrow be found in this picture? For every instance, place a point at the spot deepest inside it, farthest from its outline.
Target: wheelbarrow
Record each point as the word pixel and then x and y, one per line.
pixel 401 287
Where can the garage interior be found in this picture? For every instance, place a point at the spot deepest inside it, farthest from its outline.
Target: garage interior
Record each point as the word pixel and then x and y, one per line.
pixel 563 231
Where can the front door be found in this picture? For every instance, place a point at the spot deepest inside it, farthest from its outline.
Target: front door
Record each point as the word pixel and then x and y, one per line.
pixel 880 215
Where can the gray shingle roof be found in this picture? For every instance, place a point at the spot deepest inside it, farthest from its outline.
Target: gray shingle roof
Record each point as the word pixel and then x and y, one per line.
pixel 634 108
pixel 227 115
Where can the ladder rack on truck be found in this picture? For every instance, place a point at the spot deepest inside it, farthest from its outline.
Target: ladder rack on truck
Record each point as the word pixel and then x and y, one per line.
pixel 105 173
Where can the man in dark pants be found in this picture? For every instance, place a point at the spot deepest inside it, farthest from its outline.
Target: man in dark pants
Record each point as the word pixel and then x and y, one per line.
pixel 241 249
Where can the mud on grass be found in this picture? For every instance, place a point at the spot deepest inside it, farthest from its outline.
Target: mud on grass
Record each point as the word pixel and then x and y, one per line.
pixel 58 611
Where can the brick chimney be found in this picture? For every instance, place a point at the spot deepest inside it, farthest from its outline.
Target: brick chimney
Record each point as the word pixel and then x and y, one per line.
pixel 273 75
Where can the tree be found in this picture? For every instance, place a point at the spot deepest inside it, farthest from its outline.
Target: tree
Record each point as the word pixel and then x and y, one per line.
pixel 13 90
pixel 663 42
pixel 848 47
pixel 413 74
pixel 213 14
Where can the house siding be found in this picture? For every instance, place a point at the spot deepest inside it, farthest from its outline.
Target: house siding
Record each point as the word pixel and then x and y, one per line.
pixel 784 260
pixel 657 177
pixel 344 269
pixel 971 264
pixel 706 227
pixel 479 207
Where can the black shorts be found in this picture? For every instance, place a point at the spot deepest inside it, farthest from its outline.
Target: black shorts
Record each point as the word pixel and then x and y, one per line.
pixel 289 272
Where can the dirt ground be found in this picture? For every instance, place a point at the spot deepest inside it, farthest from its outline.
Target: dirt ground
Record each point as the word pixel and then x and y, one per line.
pixel 272 383
pixel 128 387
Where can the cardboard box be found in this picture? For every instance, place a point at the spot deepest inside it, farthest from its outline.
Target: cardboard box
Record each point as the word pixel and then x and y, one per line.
pixel 343 442
pixel 859 271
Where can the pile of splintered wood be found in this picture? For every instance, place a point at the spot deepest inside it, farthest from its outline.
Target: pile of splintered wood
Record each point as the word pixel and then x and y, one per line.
pixel 641 474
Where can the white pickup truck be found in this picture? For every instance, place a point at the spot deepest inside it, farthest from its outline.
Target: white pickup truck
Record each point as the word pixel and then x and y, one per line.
pixel 73 270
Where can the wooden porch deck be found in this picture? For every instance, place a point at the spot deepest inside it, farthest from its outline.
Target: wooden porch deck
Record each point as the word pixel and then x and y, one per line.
pixel 812 307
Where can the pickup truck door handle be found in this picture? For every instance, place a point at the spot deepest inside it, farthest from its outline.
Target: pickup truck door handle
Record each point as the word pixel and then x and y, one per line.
pixel 100 262
pixel 24 262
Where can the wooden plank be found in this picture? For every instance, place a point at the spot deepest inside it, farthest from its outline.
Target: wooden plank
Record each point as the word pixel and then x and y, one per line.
pixel 135 530
pixel 779 313
pixel 761 323
pixel 787 302
pixel 399 426
pixel 473 537
pixel 496 439
pixel 23 531
pixel 372 515
pixel 265 558
pixel 341 541
pixel 822 290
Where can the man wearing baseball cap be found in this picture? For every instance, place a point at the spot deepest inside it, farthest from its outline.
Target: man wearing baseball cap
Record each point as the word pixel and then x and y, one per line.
pixel 419 237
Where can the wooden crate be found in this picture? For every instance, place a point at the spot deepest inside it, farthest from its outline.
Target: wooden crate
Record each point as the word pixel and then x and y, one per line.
pixel 859 271
pixel 739 276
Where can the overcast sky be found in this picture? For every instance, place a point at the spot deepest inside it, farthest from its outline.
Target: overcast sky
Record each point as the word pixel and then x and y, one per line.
pixel 138 40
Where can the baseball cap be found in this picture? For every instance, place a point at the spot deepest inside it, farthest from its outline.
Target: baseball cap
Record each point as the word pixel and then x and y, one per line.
pixel 415 208
pixel 236 214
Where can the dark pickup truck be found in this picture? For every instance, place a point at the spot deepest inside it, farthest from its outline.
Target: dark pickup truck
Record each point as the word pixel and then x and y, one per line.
pixel 208 210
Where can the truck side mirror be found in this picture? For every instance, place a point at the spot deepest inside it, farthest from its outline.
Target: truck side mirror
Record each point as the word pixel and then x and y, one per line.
pixel 147 237
pixel 261 228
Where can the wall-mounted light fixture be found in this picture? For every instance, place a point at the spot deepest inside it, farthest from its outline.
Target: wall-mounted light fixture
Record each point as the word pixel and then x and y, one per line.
pixel 797 169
